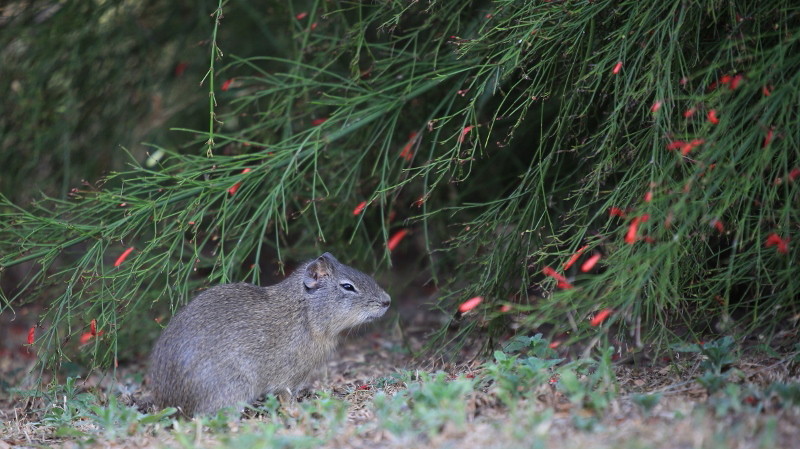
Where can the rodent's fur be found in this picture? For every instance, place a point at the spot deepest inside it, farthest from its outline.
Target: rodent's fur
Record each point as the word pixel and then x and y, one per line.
pixel 235 342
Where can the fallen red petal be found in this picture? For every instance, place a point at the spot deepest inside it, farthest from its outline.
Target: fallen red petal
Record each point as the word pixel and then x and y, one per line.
pixel 360 208
pixel 617 68
pixel 395 239
pixel 123 256
pixel 600 317
pixel 470 304
pixel 574 257
pixel 590 262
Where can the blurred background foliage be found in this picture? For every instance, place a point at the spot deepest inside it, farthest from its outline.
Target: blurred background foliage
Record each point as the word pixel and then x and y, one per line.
pixel 479 147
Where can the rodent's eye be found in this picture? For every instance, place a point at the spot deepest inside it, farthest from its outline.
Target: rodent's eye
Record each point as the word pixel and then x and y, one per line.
pixel 348 287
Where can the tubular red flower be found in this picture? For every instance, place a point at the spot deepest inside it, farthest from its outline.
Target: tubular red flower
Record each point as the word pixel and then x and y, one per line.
pixel 31 335
pixel 562 281
pixel 574 257
pixel 781 244
pixel 656 106
pixel 227 84
pixel 633 228
pixel 360 208
pixel 464 133
pixel 395 239
pixel 648 196
pixel 675 145
pixel 767 138
pixel 408 152
pixel 318 121
pixel 301 15
pixel 616 211
pixel 590 262
pixel 735 81
pixel 617 68
pixel 688 147
pixel 718 225
pixel 689 112
pixel 123 256
pixel 600 317
pixel 93 327
pixel 470 304
pixel 712 117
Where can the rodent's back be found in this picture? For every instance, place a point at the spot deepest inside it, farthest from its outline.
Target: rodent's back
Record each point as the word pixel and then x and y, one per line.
pixel 234 342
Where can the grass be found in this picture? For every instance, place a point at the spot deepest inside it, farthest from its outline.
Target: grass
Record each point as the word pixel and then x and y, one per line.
pixel 526 396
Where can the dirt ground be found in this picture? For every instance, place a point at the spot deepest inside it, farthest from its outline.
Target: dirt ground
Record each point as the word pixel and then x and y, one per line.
pixel 683 418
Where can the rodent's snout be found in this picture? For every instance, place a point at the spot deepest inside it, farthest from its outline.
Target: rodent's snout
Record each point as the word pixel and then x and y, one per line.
pixel 385 300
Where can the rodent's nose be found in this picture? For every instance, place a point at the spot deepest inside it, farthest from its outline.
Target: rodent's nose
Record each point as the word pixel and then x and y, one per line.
pixel 385 300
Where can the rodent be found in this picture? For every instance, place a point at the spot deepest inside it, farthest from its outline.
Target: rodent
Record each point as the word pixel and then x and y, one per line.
pixel 234 342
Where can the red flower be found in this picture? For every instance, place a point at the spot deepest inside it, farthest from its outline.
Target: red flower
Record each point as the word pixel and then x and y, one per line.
pixel 180 68
pixel 712 117
pixel 359 208
pixel 617 68
pixel 419 202
pixel 648 197
pixel 766 90
pixel 554 344
pixel 93 327
pixel 469 304
pixel 781 244
pixel 123 256
pixel 85 337
pixel 394 240
pixel 687 147
pixel 675 144
pixel 616 211
pixel 301 16
pixel 464 133
pixel 794 173
pixel 590 262
pixel 363 387
pixel 656 106
pixel 232 189
pixel 575 257
pixel 562 281
pixel 408 152
pixel 725 79
pixel 735 82
pixel 227 84
pixel 505 308
pixel 633 228
pixel 600 317
pixel 318 121
pixel 718 225
pixel 689 112
pixel 767 138
pixel 31 335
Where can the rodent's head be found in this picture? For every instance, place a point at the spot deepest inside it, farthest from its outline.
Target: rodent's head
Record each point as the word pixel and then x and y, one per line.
pixel 340 296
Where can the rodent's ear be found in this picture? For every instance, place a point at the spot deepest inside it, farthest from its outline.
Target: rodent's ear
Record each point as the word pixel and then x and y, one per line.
pixel 316 270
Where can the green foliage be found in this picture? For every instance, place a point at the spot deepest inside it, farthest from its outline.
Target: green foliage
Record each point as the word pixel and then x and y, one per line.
pixel 646 402
pixel 499 135
pixel 590 383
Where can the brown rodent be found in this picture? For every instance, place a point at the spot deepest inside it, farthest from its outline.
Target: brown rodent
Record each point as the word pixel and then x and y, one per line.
pixel 235 342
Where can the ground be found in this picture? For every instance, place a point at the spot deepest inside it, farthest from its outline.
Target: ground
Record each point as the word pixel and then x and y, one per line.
pixel 374 394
